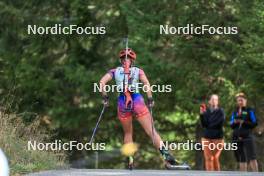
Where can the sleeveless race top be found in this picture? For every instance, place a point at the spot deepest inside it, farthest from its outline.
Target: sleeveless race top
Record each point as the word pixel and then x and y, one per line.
pixel 133 83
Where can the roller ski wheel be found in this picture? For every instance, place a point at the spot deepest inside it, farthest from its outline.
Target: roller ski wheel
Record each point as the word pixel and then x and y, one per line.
pixel 184 166
pixel 172 164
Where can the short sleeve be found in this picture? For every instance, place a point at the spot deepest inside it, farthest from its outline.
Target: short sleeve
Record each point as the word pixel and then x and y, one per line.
pixel 112 73
pixel 141 73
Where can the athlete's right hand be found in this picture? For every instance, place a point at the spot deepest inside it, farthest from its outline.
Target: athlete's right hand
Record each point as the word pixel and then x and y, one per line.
pixel 150 102
pixel 105 100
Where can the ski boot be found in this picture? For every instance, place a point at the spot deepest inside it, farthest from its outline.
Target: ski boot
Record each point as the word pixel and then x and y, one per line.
pixel 130 163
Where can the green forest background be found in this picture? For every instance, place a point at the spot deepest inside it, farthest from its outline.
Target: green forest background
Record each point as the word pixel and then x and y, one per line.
pixel 50 77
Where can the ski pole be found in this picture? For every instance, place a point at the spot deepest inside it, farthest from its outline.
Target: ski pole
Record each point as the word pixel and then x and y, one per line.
pixel 152 124
pixel 97 124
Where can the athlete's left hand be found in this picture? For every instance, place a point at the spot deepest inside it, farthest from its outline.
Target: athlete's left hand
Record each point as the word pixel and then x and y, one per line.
pixel 105 101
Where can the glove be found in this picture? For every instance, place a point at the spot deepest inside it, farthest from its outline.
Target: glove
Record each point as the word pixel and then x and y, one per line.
pixel 105 100
pixel 150 102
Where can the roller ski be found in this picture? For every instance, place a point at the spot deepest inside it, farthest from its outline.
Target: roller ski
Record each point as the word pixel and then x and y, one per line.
pixel 171 163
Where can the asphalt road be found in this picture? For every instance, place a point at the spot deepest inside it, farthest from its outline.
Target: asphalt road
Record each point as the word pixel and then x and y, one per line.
pixel 116 172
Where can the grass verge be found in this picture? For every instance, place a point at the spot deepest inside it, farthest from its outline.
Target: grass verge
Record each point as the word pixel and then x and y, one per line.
pixel 14 137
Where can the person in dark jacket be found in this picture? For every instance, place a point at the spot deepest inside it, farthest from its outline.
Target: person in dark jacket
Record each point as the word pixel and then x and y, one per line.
pixel 212 120
pixel 242 122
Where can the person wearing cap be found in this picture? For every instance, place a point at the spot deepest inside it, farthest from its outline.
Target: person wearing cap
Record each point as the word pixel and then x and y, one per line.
pixel 243 121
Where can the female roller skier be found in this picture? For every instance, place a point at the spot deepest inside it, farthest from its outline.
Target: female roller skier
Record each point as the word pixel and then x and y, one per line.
pixel 131 102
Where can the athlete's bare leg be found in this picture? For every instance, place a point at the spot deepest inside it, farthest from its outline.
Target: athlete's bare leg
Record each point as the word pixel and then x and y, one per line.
pixel 145 122
pixel 128 130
